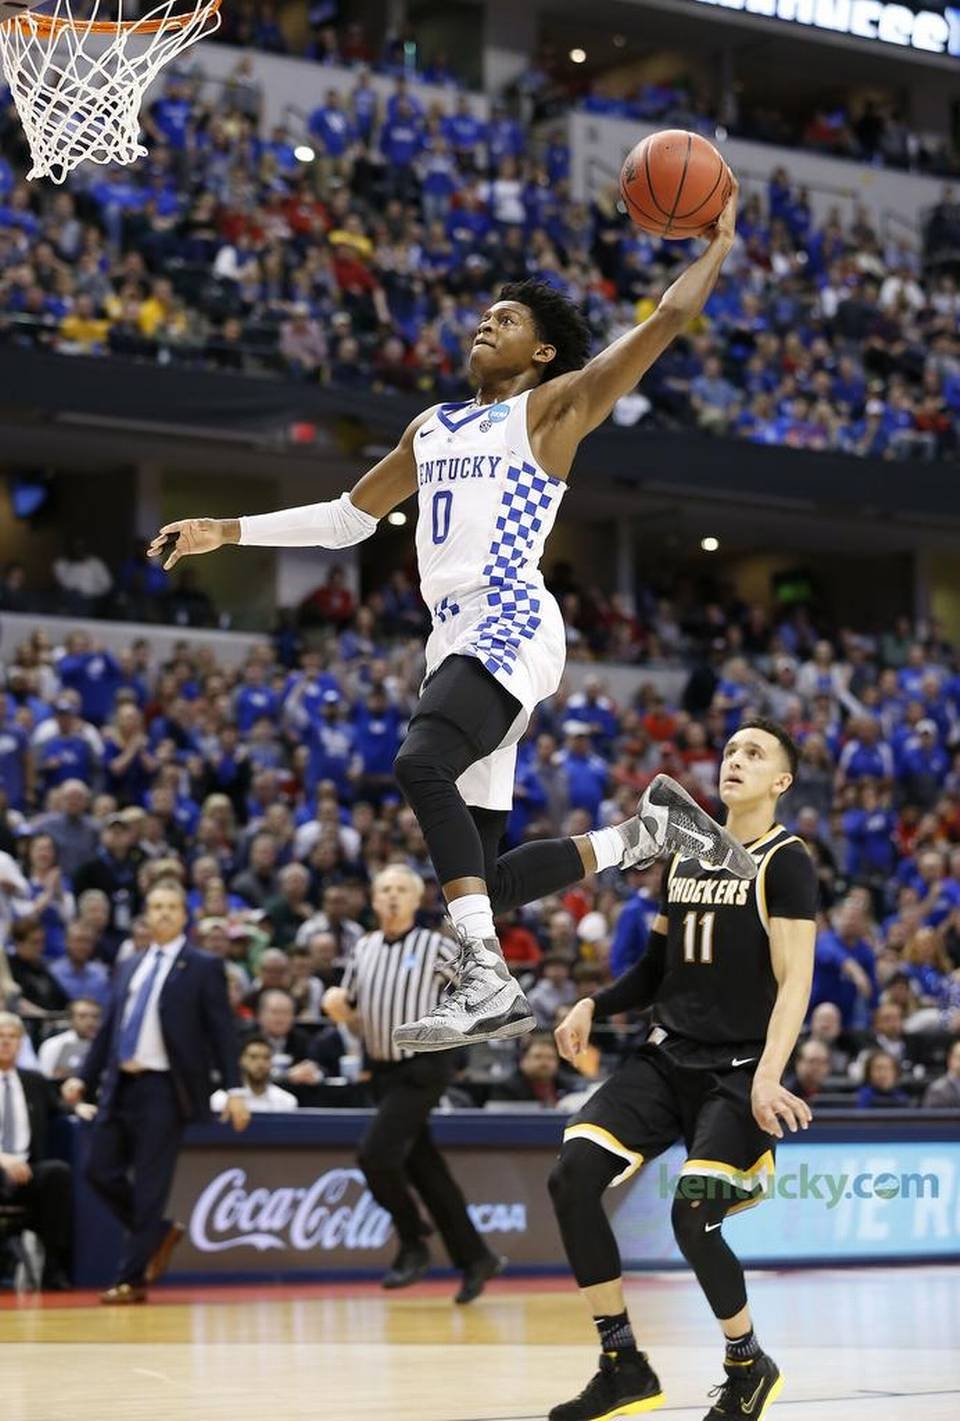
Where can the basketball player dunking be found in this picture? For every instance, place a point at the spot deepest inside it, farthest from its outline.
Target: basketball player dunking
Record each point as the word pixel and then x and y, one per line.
pixel 728 973
pixel 490 474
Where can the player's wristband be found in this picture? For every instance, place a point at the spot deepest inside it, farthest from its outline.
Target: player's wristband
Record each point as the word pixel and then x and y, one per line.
pixel 637 987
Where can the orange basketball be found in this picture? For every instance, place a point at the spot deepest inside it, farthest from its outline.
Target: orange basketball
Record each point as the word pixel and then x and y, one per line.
pixel 674 184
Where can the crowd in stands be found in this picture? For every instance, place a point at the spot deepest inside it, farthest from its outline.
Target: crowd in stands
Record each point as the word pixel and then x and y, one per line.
pixel 268 791
pixel 366 267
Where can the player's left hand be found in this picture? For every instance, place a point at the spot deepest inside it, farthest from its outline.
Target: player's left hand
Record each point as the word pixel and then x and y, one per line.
pixel 772 1102
pixel 725 228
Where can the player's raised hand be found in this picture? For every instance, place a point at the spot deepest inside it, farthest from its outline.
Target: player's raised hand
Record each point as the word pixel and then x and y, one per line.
pixel 725 228
pixel 187 538
pixel 573 1034
pixel 771 1102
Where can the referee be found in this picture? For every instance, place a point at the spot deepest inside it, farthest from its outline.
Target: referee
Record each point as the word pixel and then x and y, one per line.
pixel 395 975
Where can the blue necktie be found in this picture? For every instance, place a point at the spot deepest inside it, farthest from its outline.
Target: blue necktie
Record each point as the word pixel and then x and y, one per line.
pixel 130 1031
pixel 6 1130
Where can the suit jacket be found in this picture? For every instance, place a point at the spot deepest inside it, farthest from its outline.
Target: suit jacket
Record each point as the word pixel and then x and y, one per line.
pixel 42 1103
pixel 197 1027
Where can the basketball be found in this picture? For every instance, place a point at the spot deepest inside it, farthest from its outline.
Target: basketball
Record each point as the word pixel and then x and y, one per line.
pixel 674 184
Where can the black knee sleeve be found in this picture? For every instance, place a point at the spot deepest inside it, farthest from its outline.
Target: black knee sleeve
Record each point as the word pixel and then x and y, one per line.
pixel 696 1227
pixel 577 1184
pixel 428 764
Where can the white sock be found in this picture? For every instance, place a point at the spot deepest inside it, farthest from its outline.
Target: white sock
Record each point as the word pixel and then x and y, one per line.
pixel 608 846
pixel 473 915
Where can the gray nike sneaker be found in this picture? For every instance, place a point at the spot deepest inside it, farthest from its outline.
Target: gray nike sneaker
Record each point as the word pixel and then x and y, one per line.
pixel 485 1003
pixel 680 826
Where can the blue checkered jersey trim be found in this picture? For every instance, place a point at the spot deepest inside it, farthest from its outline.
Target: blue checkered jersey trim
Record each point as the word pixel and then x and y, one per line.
pixel 514 605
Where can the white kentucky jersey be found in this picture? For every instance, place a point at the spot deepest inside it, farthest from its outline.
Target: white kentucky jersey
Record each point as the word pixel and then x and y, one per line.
pixel 486 510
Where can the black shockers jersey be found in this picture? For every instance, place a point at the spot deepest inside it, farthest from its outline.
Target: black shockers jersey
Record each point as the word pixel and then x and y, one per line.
pixel 718 987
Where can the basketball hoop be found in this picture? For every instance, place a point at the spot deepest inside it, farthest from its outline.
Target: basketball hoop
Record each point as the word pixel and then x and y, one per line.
pixel 78 84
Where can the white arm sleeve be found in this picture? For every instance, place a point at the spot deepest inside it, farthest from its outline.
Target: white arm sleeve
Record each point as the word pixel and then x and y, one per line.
pixel 338 524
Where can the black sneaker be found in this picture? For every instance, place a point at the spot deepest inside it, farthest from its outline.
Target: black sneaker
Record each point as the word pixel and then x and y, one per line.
pixel 679 825
pixel 748 1390
pixel 622 1387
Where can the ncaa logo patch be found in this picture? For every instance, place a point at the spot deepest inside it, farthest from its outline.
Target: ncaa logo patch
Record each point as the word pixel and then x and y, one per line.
pixel 494 415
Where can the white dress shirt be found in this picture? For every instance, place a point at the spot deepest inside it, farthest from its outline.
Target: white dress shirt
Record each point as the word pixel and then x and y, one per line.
pixel 151 1053
pixel 272 1099
pixel 21 1120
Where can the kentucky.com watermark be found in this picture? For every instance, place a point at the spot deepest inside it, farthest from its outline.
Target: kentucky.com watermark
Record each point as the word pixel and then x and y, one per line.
pixel 803 1183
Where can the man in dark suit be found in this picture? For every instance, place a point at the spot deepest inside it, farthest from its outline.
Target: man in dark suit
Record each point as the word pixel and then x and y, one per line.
pixel 168 1023
pixel 27 1177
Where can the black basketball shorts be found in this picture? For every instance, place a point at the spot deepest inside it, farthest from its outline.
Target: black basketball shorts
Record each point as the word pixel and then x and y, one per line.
pixel 653 1100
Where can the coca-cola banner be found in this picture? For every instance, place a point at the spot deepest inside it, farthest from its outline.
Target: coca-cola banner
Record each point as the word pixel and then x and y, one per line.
pixel 290 1210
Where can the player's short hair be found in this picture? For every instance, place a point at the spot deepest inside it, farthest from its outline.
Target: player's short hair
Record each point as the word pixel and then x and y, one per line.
pixel 774 728
pixel 558 323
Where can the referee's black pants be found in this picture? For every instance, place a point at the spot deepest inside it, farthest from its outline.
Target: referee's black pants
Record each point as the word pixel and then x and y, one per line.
pixel 398 1155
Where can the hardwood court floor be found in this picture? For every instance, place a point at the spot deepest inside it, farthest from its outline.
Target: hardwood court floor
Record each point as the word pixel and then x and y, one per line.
pixel 854 1345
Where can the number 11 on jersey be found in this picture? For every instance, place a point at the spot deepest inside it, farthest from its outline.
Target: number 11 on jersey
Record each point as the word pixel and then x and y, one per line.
pixel 705 935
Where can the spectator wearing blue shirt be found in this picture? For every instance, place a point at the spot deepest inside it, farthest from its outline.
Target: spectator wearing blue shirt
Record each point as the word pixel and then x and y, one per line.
pixel 77 973
pixel 586 773
pixel 402 103
pixel 304 691
pixel 632 932
pixel 923 765
pixel 364 106
pixel 865 755
pixel 939 893
pixel 379 728
pixel 128 764
pixel 845 970
pixel 910 678
pixel 170 117
pixel 401 140
pixel 465 133
pixel 735 691
pixel 504 137
pixel 15 759
pixel 254 699
pixel 927 964
pixel 332 127
pixel 332 754
pixel 438 179
pixel 868 830
pixel 51 898
pixel 66 754
pixel 712 397
pixel 95 675
pixel 598 711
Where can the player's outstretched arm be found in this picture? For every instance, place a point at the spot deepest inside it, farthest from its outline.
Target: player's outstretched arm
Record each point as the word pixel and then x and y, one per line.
pixel 582 400
pixel 634 990
pixel 791 957
pixel 338 523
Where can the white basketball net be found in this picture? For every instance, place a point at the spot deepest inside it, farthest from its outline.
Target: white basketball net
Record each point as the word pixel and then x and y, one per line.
pixel 78 84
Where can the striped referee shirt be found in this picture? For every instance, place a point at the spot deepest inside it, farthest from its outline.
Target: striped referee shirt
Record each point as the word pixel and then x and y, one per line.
pixel 390 982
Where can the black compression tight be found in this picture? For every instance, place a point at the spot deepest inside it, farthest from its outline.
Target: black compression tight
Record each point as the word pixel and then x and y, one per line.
pixel 463 715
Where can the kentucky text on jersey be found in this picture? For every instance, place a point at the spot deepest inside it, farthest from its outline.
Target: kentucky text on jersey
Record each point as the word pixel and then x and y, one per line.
pixel 471 466
pixel 730 892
